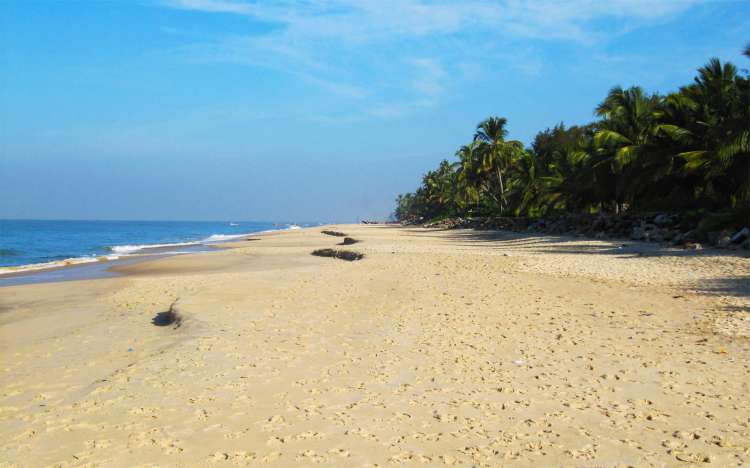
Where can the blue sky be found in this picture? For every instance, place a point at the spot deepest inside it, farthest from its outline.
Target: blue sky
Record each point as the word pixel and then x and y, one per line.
pixel 306 109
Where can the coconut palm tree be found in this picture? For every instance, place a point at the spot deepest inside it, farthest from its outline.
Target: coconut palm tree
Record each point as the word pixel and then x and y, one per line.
pixel 525 190
pixel 498 154
pixel 717 132
pixel 627 136
pixel 439 188
pixel 630 116
pixel 690 149
pixel 469 175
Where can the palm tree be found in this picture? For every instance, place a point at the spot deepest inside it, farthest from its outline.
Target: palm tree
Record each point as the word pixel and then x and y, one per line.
pixel 717 134
pixel 627 135
pixel 469 173
pixel 525 189
pixel 690 149
pixel 498 153
pixel 570 181
pixel 629 116
pixel 439 189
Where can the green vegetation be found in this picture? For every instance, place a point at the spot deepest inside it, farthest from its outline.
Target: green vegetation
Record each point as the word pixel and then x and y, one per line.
pixel 687 151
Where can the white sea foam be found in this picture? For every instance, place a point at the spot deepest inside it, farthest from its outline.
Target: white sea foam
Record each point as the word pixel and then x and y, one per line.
pixel 176 252
pixel 55 264
pixel 133 250
pixel 225 237
pixel 129 249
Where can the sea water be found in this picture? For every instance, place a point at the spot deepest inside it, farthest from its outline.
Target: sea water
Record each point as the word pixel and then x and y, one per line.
pixel 40 242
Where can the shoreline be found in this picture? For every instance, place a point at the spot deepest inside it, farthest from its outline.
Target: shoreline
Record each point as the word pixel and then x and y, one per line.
pixel 438 347
pixel 97 267
pixel 92 267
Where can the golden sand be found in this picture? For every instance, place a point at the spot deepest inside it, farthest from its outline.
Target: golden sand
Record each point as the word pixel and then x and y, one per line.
pixel 439 347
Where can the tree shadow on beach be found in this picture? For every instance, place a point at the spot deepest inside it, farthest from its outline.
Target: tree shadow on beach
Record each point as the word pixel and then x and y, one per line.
pixel 551 243
pixel 737 286
pixel 381 226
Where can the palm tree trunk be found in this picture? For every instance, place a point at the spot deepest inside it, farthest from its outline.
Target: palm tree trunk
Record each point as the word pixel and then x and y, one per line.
pixel 502 190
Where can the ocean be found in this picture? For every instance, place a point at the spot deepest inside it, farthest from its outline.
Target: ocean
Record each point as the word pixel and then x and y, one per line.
pixel 27 242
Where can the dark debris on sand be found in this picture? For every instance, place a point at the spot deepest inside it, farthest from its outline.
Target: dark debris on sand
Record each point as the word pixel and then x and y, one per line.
pixel 347 255
pixel 333 233
pixel 169 317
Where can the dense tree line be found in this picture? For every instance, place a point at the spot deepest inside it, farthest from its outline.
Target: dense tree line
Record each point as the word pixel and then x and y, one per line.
pixel 689 150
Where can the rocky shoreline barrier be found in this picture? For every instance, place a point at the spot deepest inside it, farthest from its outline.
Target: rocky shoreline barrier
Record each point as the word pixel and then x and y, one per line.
pixel 667 228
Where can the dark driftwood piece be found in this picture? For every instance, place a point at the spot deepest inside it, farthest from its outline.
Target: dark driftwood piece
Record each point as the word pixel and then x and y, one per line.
pixel 169 317
pixel 334 233
pixel 347 255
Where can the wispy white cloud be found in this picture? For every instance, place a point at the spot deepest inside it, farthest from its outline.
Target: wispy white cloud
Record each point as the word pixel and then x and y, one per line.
pixel 213 6
pixel 430 76
pixel 342 89
pixel 368 20
pixel 357 49
pixel 400 109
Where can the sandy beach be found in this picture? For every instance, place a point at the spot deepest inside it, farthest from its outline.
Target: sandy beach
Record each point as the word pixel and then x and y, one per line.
pixel 450 347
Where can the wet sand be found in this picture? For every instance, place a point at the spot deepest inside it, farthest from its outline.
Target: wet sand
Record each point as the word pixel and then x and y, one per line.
pixel 84 269
pixel 439 347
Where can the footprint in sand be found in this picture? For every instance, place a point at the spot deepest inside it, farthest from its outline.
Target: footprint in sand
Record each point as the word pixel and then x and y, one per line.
pixel 236 458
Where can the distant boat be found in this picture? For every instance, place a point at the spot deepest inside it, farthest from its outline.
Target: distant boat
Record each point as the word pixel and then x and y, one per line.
pixel 233 224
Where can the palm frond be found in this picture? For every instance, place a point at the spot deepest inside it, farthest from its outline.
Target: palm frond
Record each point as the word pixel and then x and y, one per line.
pixel 695 159
pixel 674 132
pixel 610 138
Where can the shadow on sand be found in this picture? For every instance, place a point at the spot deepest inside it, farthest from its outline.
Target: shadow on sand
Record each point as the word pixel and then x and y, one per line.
pixel 734 286
pixel 550 243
